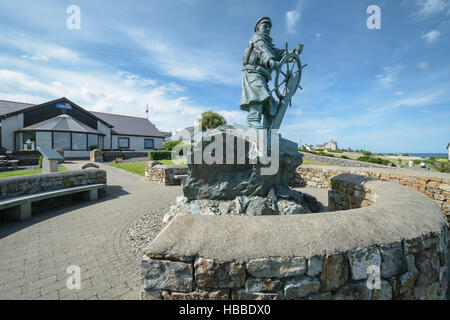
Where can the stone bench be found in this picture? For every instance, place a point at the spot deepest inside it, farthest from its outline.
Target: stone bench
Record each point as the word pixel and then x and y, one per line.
pixel 22 204
pixel 181 177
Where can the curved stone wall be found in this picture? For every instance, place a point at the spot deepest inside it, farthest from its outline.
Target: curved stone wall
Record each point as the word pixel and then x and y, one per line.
pixel 335 161
pixel 399 233
pixel 434 185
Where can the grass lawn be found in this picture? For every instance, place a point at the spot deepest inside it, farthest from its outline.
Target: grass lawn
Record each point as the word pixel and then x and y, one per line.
pixel 134 167
pixel 138 167
pixel 24 172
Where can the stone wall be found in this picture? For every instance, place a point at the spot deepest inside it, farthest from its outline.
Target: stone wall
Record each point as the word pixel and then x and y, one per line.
pixel 434 185
pixel 23 185
pixel 164 174
pixel 112 155
pixel 340 162
pixel 400 235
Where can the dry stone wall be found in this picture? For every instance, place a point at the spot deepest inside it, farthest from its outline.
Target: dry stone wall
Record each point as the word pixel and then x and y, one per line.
pixel 399 235
pixel 164 174
pixel 335 161
pixel 23 185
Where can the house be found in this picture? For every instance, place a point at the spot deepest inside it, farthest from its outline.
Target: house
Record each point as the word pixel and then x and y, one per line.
pixel 167 135
pixel 331 145
pixel 62 124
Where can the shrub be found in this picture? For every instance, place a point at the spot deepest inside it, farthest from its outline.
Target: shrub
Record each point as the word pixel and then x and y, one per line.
pixel 211 120
pixel 169 145
pixel 318 149
pixel 374 160
pixel 405 154
pixel 40 161
pixel 93 147
pixel 345 157
pixel 159 155
pixel 336 151
pixel 367 153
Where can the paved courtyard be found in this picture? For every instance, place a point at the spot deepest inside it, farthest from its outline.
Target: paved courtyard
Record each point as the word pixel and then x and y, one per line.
pixel 35 254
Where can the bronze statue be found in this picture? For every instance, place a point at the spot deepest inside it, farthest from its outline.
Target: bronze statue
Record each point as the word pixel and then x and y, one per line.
pixel 261 57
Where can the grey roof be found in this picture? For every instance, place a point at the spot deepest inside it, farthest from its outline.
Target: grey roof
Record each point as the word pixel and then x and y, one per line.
pixel 62 122
pixel 11 106
pixel 448 145
pixel 127 125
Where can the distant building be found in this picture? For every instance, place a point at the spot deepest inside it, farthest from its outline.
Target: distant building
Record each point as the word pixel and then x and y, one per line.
pixel 306 147
pixel 331 145
pixel 167 135
pixel 183 134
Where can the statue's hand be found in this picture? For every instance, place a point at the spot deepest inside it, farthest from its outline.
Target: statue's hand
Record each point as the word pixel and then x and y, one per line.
pixel 273 64
pixel 299 49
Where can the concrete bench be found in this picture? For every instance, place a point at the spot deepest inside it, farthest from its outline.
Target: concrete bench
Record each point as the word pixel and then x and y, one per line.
pixel 22 204
pixel 181 177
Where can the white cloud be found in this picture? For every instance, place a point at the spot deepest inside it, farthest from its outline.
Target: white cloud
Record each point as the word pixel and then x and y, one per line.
pixel 418 100
pixel 171 108
pixel 35 49
pixel 431 36
pixel 422 65
pixel 292 18
pixel 389 75
pixel 187 63
pixel 399 93
pixel 430 7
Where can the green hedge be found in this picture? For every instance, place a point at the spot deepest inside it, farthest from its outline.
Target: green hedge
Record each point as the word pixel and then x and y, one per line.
pixel 40 161
pixel 367 153
pixel 374 160
pixel 160 155
pixel 169 145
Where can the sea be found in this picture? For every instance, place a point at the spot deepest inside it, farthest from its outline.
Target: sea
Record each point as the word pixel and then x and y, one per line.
pixel 423 155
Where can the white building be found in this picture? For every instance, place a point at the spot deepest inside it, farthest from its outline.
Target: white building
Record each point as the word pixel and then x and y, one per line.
pixel 331 145
pixel 61 124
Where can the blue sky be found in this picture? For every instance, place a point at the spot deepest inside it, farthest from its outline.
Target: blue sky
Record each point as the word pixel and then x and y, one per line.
pixel 383 90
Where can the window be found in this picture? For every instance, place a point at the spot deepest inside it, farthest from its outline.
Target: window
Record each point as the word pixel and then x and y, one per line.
pixel 124 142
pixel 44 140
pixel 61 140
pixel 79 141
pixel 101 142
pixel 92 140
pixel 28 141
pixel 148 144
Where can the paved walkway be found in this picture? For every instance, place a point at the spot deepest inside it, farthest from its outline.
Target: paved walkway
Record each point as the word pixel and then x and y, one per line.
pixel 35 254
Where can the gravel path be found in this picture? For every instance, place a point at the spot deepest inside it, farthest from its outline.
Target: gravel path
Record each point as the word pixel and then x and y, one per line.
pixel 145 229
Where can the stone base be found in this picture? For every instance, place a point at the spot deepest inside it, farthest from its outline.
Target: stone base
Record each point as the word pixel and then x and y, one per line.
pixel 282 202
pixel 238 168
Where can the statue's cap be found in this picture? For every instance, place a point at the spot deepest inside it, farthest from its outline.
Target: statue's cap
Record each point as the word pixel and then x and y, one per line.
pixel 263 19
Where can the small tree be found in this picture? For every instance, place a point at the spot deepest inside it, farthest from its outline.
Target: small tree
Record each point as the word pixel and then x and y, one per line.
pixel 211 120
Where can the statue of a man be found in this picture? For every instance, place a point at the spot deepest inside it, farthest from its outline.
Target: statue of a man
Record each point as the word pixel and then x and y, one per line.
pixel 260 59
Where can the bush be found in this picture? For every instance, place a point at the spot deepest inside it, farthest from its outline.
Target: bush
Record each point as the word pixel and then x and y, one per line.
pixel 405 154
pixel 211 120
pixel 374 160
pixel 367 153
pixel 169 145
pixel 159 155
pixel 91 148
pixel 345 157
pixel 40 161
pixel 318 149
